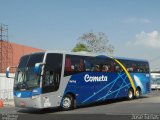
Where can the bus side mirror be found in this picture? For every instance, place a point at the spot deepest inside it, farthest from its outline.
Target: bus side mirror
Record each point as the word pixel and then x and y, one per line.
pixel 37 68
pixel 7 72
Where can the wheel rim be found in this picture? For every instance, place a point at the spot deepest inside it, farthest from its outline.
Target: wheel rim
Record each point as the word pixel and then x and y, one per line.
pixel 66 102
pixel 130 94
pixel 137 93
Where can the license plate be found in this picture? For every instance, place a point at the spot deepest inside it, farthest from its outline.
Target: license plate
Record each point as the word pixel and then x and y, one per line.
pixel 22 104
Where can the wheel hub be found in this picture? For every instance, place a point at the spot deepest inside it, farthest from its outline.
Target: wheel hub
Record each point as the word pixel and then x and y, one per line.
pixel 66 103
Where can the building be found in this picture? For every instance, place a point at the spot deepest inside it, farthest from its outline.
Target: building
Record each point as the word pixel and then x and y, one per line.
pixel 11 53
pixel 19 50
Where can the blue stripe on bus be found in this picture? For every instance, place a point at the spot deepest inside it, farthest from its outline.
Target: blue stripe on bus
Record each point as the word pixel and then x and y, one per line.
pixel 27 94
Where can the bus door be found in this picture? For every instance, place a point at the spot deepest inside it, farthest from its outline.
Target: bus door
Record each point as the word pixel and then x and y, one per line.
pixel 52 73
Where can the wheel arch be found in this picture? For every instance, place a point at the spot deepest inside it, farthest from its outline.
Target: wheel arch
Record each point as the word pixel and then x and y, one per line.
pixel 131 88
pixel 138 88
pixel 70 93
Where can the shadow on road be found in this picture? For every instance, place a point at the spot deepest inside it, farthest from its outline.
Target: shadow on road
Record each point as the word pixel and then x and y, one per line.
pixel 110 101
pixel 54 110
pixel 40 111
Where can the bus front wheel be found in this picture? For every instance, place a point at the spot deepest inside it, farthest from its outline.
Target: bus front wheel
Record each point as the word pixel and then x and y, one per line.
pixel 68 102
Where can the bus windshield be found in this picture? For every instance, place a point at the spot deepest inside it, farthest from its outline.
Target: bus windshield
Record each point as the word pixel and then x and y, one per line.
pixel 25 78
pixel 155 79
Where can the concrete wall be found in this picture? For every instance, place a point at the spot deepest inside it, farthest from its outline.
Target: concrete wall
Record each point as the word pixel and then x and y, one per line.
pixel 6 86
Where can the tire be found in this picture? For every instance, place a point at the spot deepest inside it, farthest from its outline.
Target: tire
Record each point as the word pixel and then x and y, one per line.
pixel 130 94
pixel 68 102
pixel 138 93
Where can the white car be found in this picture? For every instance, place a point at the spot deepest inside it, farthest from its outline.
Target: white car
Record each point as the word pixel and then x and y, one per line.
pixel 155 80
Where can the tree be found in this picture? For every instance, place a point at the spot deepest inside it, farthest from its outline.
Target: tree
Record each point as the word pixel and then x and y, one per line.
pixel 97 43
pixel 80 47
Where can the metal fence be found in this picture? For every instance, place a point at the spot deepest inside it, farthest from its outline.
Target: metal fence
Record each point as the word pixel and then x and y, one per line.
pixel 6 87
pixel 6 94
pixel 6 90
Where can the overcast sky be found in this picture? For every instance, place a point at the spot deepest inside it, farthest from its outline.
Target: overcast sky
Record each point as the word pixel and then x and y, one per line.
pixel 132 26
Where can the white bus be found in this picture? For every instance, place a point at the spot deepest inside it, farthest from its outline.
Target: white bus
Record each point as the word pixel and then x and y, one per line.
pixel 155 80
pixel 50 79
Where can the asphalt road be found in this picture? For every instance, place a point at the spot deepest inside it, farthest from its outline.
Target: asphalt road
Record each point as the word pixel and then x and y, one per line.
pixel 147 105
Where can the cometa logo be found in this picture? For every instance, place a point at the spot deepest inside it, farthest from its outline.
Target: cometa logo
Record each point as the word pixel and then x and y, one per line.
pixel 89 78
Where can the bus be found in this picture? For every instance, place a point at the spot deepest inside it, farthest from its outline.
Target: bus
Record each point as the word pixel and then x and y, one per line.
pixel 51 79
pixel 155 80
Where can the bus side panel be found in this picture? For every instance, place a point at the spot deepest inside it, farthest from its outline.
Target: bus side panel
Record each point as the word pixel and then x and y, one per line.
pixel 116 86
pixel 142 80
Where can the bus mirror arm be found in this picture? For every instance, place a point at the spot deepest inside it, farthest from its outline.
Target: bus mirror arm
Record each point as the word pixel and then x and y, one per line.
pixel 8 71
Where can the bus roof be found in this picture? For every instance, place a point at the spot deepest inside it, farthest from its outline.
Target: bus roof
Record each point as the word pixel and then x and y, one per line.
pixel 134 59
pixel 89 54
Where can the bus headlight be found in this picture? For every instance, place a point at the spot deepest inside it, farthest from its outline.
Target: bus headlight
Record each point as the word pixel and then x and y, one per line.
pixel 35 96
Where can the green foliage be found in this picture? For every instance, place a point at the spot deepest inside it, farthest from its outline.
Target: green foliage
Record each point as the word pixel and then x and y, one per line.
pixel 80 47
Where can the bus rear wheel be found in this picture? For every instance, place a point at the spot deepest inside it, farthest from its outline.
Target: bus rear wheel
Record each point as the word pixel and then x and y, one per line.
pixel 68 102
pixel 130 94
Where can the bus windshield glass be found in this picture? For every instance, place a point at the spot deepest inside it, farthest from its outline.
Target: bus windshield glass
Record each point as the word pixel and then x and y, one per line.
pixel 25 78
pixel 155 79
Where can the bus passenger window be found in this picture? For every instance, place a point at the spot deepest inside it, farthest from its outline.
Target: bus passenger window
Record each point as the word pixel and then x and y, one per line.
pixel 112 69
pixel 74 64
pixel 97 68
pixel 87 65
pixel 68 64
pixel 81 65
pixel 133 67
pixel 78 67
pixel 105 68
pixel 72 68
pixel 117 68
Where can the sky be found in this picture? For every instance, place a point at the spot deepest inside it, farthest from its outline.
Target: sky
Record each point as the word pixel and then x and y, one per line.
pixel 132 26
